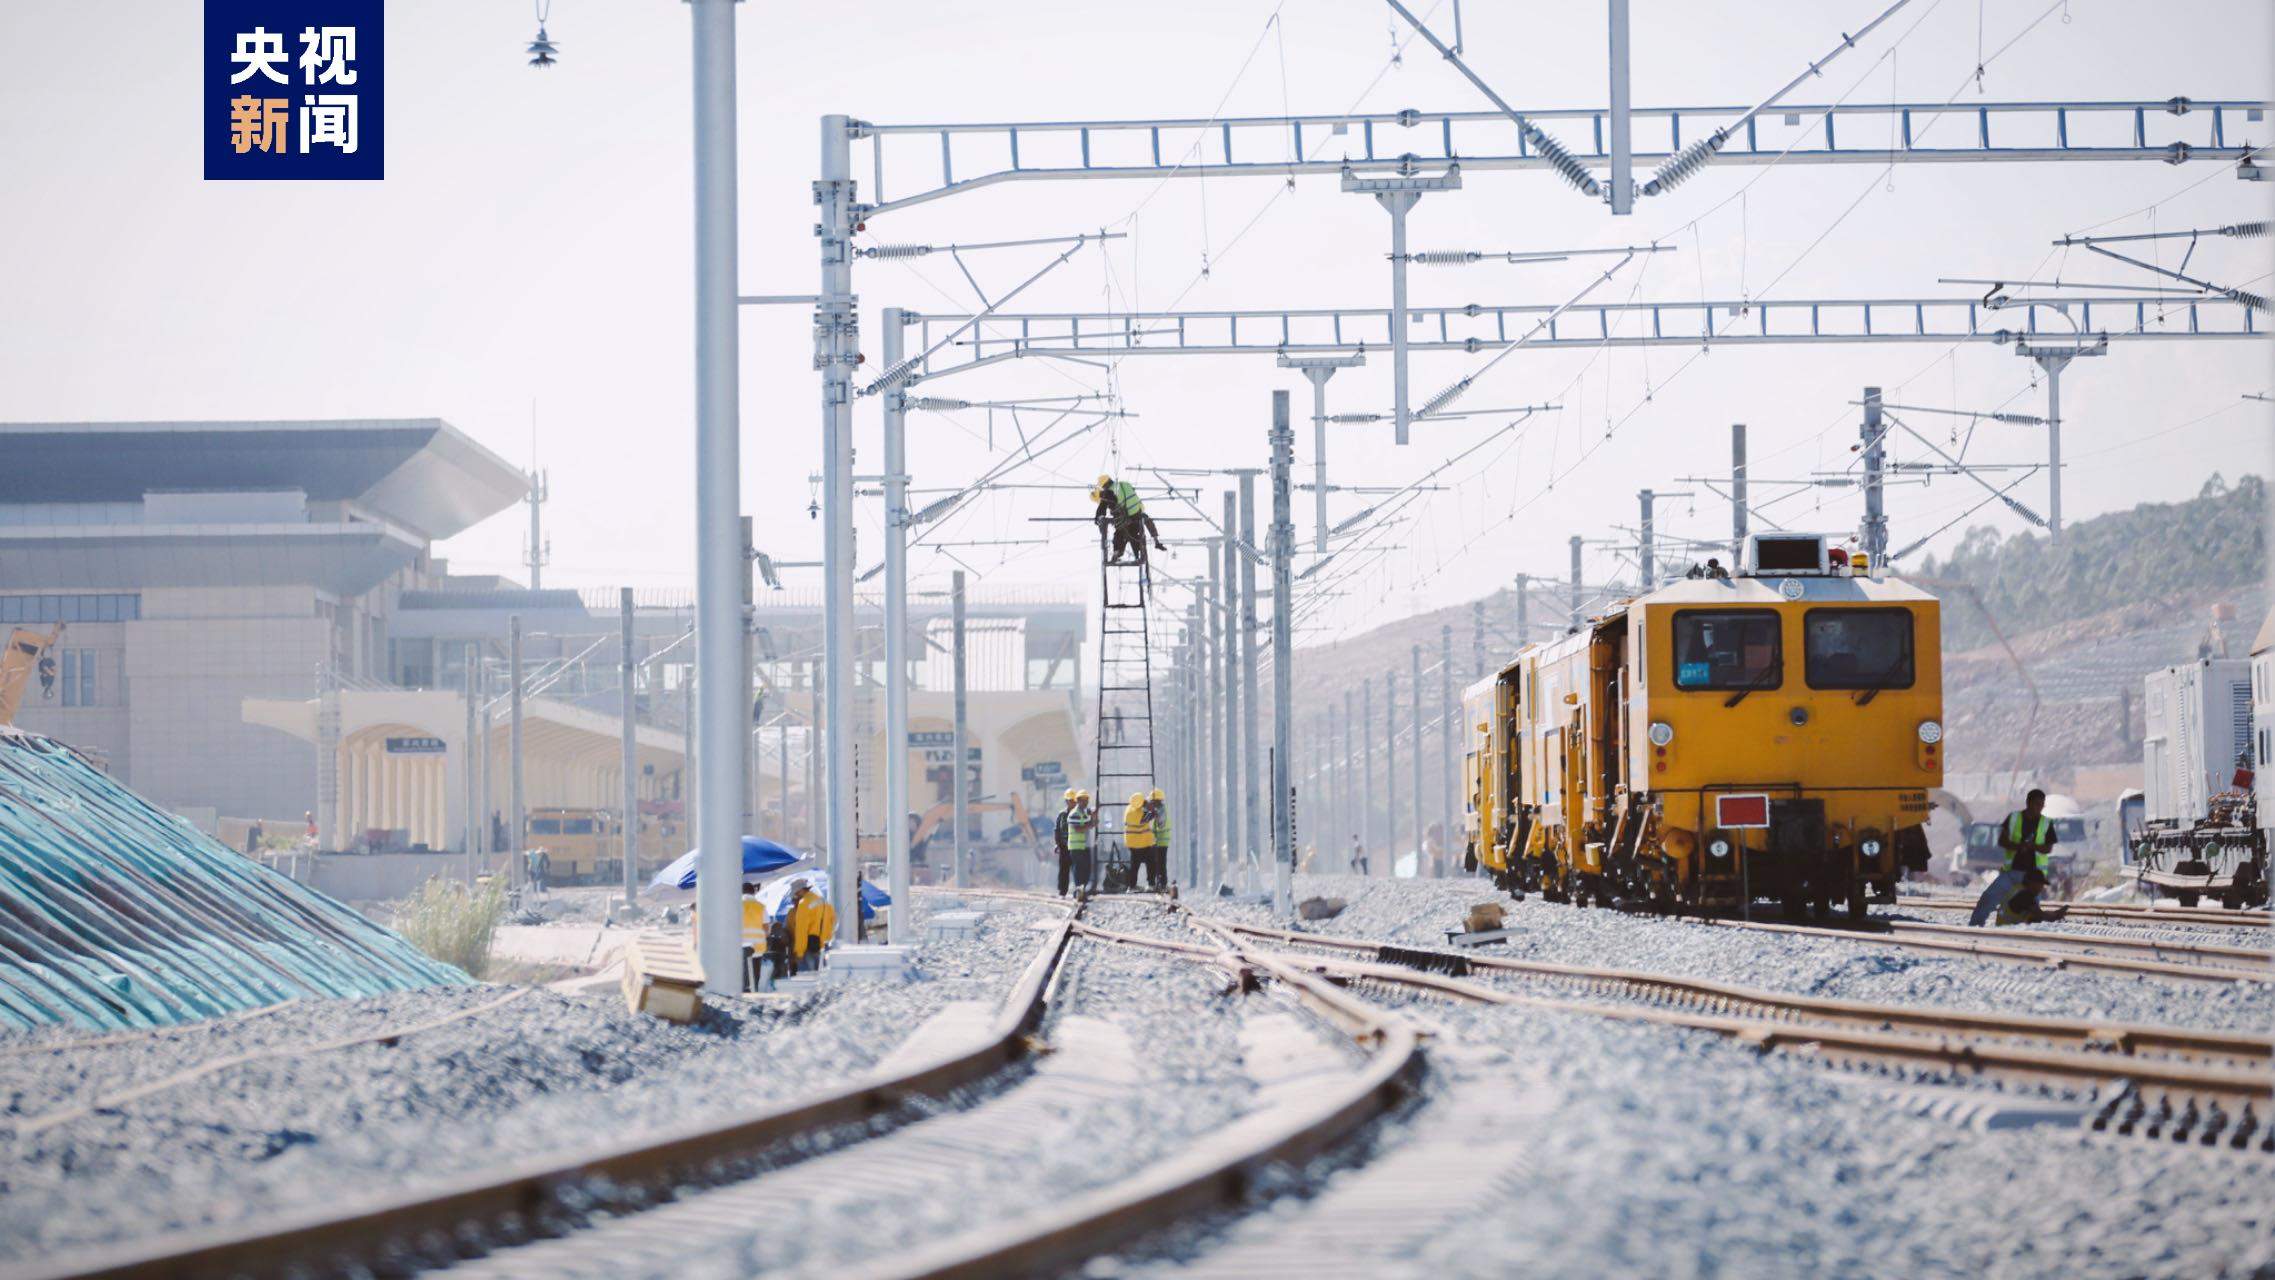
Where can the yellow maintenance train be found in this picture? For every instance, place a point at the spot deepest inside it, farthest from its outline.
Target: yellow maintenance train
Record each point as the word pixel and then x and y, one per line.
pixel 1717 742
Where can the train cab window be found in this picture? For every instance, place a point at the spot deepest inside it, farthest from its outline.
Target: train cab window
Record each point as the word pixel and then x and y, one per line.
pixel 1727 649
pixel 1858 648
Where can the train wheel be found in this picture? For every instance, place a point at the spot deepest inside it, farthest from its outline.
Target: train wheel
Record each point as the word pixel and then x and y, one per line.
pixel 2187 899
pixel 1858 912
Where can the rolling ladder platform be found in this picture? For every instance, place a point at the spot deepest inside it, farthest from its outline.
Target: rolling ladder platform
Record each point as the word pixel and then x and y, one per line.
pixel 1124 757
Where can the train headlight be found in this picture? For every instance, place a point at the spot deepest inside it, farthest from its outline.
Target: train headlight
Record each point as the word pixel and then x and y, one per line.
pixel 1870 848
pixel 1718 848
pixel 1662 733
pixel 1931 732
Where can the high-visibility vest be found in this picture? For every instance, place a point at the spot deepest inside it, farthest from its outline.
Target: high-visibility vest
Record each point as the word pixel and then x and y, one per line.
pixel 1126 496
pixel 1078 824
pixel 1135 833
pixel 1161 827
pixel 2045 835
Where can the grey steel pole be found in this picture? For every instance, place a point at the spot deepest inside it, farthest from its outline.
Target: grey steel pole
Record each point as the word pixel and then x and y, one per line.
pixel 1398 203
pixel 837 342
pixel 1737 496
pixel 1477 640
pixel 1646 543
pixel 782 764
pixel 1622 182
pixel 1390 773
pixel 1347 812
pixel 631 767
pixel 1875 531
pixel 1575 582
pixel 814 736
pixel 1251 675
pixel 1318 375
pixel 957 777
pixel 746 679
pixel 470 766
pixel 518 873
pixel 1227 634
pixel 718 471
pixel 901 921
pixel 2053 370
pixel 1446 808
pixel 1211 730
pixel 1365 825
pixel 1330 819
pixel 1524 609
pixel 536 520
pixel 482 760
pixel 1414 718
pixel 1283 659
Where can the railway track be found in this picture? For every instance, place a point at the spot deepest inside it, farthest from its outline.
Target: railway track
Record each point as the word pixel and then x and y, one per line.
pixel 2211 1088
pixel 2119 913
pixel 2052 950
pixel 635 1207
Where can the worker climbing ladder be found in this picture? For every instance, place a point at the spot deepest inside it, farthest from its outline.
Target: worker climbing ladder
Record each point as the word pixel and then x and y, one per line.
pixel 1124 757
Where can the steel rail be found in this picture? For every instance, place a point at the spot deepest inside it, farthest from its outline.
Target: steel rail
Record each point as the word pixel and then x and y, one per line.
pixel 2181 951
pixel 435 1227
pixel 2050 957
pixel 2121 912
pixel 1215 1176
pixel 1958 1051
pixel 2112 1037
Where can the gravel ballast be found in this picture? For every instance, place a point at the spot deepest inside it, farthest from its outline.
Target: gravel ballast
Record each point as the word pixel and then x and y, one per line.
pixel 546 1073
pixel 1680 1153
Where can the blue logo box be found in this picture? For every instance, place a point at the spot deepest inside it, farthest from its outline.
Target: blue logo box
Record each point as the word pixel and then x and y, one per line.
pixel 295 90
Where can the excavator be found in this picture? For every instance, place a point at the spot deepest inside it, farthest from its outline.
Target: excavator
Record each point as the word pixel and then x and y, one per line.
pixel 935 821
pixel 26 655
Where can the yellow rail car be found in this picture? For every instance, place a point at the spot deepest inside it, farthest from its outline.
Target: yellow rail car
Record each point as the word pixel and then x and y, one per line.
pixel 1717 742
pixel 587 845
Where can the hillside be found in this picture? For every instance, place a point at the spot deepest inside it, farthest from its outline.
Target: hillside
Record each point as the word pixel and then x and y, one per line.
pixel 2213 544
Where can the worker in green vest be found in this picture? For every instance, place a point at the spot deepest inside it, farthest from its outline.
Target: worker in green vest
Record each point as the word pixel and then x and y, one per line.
pixel 2027 835
pixel 1081 820
pixel 1123 511
pixel 1157 809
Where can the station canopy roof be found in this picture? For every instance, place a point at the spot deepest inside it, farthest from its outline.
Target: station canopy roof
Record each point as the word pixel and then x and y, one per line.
pixel 420 473
pixel 137 505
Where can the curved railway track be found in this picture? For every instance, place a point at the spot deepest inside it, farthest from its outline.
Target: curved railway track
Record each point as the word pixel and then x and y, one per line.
pixel 509 1217
pixel 2212 1088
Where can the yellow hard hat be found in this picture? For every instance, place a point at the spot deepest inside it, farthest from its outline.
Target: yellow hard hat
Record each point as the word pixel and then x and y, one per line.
pixel 1103 481
pixel 1082 795
pixel 1071 793
pixel 1157 794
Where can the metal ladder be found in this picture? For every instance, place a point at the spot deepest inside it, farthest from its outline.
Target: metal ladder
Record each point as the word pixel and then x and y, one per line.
pixel 1124 756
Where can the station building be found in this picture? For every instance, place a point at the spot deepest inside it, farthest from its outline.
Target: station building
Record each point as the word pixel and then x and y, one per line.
pixel 209 577
pixel 255 626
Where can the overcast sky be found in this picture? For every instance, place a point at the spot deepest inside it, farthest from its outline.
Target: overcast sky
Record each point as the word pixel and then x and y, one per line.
pixel 532 244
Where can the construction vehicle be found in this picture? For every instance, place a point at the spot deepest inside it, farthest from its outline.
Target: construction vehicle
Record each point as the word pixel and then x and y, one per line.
pixel 2200 834
pixel 27 651
pixel 937 821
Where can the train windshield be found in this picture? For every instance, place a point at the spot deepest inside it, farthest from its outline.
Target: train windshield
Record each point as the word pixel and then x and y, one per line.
pixel 1858 648
pixel 1727 649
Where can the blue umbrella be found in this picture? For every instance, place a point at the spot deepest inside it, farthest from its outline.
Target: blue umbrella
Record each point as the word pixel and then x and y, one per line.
pixel 759 857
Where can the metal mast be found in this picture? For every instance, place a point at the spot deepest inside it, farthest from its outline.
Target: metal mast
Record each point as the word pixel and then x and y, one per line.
pixel 718 471
pixel 1283 660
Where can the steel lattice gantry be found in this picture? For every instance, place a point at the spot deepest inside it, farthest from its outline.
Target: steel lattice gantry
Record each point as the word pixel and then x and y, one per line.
pixel 910 164
pixel 1475 328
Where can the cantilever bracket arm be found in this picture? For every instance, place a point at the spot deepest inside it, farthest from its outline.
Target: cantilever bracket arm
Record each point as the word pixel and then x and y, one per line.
pixel 1553 151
